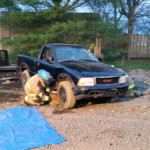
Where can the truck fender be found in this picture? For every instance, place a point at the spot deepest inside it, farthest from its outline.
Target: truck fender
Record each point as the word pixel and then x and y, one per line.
pixel 64 75
pixel 24 66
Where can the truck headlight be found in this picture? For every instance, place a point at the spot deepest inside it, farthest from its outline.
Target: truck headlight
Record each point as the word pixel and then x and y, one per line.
pixel 122 79
pixel 86 82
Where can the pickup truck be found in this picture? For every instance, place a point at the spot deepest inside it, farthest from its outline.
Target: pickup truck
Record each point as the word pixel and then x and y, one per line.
pixel 77 73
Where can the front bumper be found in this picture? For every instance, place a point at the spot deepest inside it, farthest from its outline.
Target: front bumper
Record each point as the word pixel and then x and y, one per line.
pixel 83 92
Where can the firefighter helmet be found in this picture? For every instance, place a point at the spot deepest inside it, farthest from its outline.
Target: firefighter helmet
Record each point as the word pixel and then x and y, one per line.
pixel 44 75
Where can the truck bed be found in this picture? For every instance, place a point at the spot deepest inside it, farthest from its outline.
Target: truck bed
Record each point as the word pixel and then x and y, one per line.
pixel 8 68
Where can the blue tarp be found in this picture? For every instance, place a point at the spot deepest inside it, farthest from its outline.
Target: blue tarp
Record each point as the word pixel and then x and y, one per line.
pixel 23 128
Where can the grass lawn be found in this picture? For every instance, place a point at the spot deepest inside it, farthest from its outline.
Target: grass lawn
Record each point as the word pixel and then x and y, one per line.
pixel 129 65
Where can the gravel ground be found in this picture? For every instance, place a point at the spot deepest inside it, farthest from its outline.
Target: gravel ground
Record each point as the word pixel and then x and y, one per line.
pixel 95 124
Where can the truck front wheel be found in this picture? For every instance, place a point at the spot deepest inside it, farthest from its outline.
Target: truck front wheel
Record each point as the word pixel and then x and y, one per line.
pixel 65 95
pixel 24 77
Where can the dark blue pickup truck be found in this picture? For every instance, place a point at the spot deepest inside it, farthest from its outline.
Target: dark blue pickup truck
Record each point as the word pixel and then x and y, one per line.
pixel 77 72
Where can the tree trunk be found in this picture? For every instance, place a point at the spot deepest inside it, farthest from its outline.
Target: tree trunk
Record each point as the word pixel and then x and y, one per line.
pixel 115 16
pixel 131 19
pixel 130 25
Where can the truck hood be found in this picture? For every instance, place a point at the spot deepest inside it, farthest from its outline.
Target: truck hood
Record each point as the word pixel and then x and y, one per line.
pixel 93 69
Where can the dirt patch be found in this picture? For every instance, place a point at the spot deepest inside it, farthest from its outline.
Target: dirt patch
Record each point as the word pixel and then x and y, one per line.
pixel 11 94
pixel 94 125
pixel 4 97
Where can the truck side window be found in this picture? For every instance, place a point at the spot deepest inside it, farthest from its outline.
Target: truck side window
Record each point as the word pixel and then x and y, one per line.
pixel 46 53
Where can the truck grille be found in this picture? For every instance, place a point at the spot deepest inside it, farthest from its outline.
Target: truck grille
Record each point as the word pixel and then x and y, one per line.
pixel 107 80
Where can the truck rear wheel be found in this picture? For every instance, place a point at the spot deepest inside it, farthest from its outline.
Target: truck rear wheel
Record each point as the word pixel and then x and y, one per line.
pixel 65 95
pixel 24 77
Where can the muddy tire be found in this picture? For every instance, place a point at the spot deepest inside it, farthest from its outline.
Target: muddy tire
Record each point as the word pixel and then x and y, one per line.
pixel 65 95
pixel 24 77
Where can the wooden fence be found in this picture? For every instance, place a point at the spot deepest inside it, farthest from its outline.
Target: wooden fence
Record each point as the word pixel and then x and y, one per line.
pixel 139 46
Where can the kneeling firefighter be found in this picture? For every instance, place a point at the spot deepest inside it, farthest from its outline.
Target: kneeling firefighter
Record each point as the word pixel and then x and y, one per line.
pixel 37 92
pixel 131 92
pixel 131 85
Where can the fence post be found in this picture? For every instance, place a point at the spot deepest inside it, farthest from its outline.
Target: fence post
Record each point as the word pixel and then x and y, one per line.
pixel 97 48
pixel 129 49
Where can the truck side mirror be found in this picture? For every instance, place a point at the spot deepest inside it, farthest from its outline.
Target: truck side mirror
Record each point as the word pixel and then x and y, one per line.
pixel 99 58
pixel 50 59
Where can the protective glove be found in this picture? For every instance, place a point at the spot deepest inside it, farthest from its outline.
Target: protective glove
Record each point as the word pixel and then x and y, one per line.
pixel 45 93
pixel 47 90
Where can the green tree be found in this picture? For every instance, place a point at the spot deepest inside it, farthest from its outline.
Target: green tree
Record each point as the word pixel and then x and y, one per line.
pixel 80 32
pixel 36 13
pixel 8 6
pixel 109 11
pixel 57 8
pixel 122 11
pixel 134 10
pixel 41 25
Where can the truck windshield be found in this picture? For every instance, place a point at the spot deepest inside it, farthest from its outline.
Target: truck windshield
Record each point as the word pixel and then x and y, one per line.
pixel 66 53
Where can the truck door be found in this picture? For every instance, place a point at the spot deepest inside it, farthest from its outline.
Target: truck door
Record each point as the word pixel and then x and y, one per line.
pixel 43 64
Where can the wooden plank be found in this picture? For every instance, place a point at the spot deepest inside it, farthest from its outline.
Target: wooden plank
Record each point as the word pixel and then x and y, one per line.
pixel 135 46
pixel 146 44
pixel 132 45
pixel 139 46
pixel 129 49
pixel 148 47
pixel 143 46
